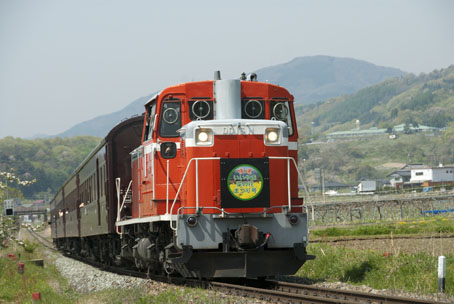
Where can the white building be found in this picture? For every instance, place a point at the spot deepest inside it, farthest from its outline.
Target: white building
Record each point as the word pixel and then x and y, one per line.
pixel 438 174
pixel 367 186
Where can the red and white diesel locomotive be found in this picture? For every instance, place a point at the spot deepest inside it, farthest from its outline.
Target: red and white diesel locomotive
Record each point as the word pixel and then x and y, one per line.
pixel 204 185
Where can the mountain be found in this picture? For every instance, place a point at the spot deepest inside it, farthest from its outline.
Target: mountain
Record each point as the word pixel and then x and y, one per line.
pixel 309 79
pixel 101 125
pixel 317 78
pixel 427 99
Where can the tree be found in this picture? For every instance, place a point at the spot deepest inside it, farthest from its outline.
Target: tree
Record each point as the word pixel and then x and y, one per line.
pixel 9 177
pixel 407 128
pixel 394 113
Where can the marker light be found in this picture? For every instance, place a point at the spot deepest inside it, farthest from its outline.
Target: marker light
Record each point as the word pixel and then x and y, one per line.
pixel 272 136
pixel 204 137
pixel 293 219
pixel 191 221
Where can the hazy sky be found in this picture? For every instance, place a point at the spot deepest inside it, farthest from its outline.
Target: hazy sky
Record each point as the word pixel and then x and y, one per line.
pixel 63 62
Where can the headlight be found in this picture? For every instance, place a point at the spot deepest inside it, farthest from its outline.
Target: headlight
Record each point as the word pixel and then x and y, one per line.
pixel 204 137
pixel 272 136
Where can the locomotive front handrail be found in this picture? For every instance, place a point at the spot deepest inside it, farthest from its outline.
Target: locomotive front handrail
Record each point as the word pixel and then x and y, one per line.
pixel 289 206
pixel 296 167
pixel 223 212
pixel 184 177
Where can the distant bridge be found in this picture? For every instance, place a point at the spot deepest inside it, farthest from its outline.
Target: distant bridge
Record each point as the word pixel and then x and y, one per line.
pixel 33 210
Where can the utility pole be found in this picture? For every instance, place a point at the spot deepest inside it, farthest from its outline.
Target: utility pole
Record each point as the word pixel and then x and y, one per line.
pixel 323 185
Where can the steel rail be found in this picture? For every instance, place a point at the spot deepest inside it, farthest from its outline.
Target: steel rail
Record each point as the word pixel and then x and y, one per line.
pixel 273 295
pixel 42 240
pixel 348 296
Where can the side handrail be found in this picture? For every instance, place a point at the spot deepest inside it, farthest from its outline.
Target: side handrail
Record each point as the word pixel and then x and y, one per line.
pixel 120 207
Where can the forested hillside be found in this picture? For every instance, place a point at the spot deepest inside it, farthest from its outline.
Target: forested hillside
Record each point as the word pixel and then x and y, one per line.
pixel 49 161
pixel 352 160
pixel 427 99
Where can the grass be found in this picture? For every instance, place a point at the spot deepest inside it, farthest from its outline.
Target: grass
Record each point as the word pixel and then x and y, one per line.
pixel 407 272
pixel 18 288
pixel 114 296
pixel 185 295
pixel 418 226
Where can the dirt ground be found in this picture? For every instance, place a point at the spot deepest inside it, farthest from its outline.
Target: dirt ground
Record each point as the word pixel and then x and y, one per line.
pixel 431 245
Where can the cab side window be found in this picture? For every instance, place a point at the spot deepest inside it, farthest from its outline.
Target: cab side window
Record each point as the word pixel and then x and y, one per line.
pixel 170 118
pixel 279 110
pixel 151 113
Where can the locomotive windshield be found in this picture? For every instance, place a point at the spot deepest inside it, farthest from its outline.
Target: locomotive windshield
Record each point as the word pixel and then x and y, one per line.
pixel 254 108
pixel 201 109
pixel 170 118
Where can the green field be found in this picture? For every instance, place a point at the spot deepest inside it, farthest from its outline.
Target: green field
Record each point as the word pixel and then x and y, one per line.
pixel 426 226
pixel 407 272
pixel 413 269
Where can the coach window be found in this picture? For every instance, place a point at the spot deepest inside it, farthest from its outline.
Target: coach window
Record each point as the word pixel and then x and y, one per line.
pixel 170 120
pixel 280 111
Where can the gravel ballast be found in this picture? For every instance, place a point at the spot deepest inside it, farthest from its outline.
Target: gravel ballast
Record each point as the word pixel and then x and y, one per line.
pixel 84 278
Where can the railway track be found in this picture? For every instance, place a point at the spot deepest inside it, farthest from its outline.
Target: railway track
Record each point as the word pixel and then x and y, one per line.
pixel 284 292
pixel 267 290
pixel 42 240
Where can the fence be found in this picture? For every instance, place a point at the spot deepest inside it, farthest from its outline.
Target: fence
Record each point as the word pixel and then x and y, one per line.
pixel 380 208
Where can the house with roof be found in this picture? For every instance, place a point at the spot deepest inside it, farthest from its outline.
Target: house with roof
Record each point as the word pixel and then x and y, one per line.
pixel 400 178
pixel 373 132
pixel 329 185
pixel 432 176
pixel 357 133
